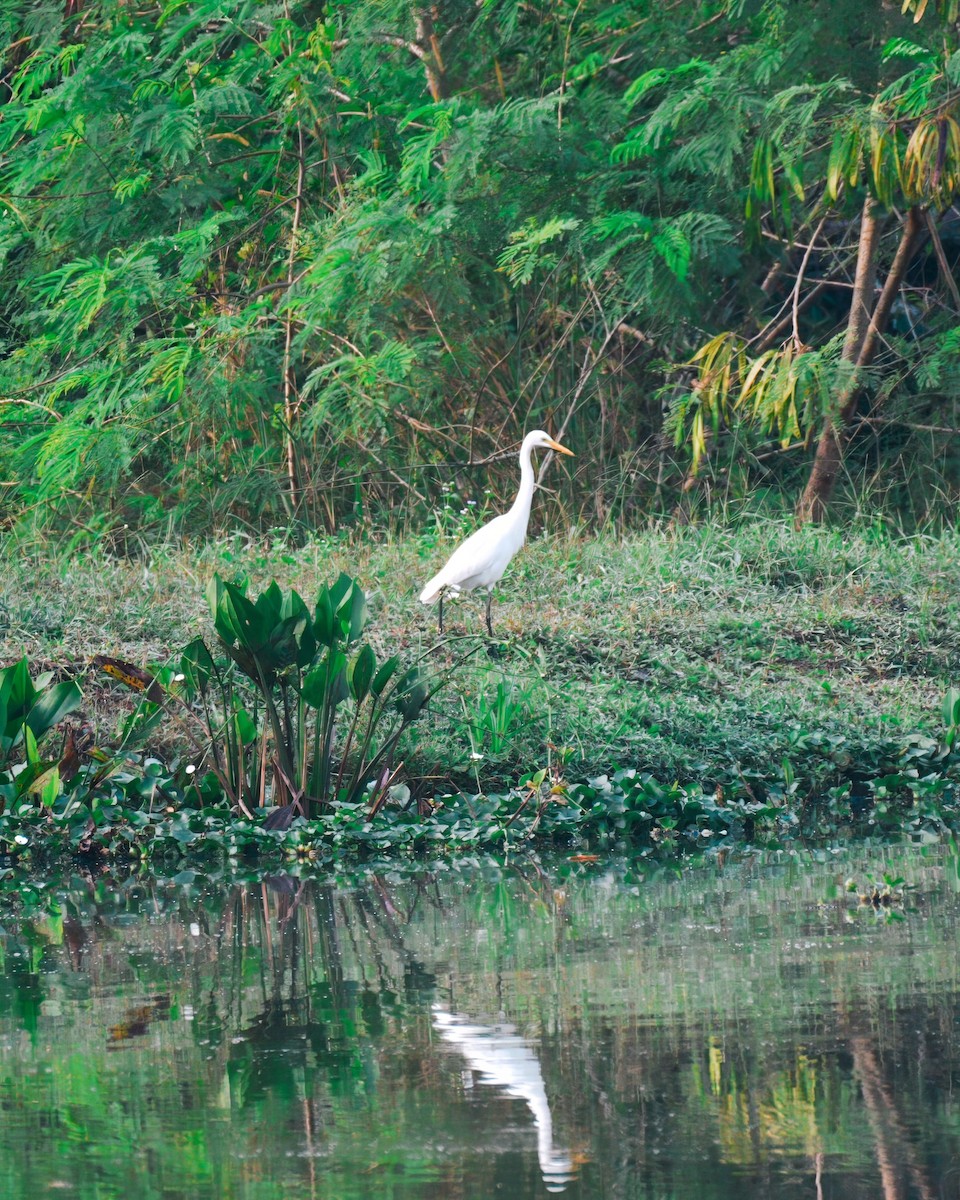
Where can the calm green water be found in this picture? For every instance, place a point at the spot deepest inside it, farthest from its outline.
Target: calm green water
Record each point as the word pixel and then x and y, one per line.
pixel 742 1029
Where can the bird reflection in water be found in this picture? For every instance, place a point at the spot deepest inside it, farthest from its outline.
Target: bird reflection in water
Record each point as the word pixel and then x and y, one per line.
pixel 505 1060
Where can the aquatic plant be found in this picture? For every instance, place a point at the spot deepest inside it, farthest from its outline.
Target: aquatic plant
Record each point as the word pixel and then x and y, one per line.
pixel 29 711
pixel 270 711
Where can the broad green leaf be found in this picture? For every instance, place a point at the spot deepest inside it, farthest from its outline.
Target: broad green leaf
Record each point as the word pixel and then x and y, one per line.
pixel 323 620
pixel 52 706
pixel 26 779
pixel 411 695
pixel 326 684
pixel 361 673
pixel 17 692
pixel 246 728
pixel 197 665
pixel 358 615
pixel 48 787
pixel 339 589
pixel 30 746
pixel 384 674
pixel 270 604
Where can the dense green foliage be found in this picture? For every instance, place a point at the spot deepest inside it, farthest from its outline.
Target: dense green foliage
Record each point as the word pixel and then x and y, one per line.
pixel 276 261
pixel 289 711
pixel 140 811
pixel 707 686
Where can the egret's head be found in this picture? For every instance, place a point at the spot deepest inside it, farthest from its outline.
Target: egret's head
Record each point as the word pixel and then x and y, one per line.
pixel 539 440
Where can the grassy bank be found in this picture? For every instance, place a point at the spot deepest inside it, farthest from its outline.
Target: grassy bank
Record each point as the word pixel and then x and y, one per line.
pixel 733 657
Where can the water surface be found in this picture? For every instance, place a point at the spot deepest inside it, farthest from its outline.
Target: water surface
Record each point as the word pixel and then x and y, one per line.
pixel 743 1028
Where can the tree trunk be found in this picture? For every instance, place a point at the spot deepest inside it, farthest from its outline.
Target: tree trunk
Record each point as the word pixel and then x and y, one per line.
pixel 826 463
pixel 859 348
pixel 432 60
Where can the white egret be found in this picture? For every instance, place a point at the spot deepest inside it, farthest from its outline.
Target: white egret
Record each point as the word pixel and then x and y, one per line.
pixel 482 559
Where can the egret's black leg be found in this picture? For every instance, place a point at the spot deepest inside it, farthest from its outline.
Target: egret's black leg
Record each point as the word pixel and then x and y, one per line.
pixel 489 623
pixel 440 615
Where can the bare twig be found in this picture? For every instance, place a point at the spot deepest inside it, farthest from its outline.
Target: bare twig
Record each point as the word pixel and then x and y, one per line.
pixel 289 402
pixel 566 59
pixel 589 363
pixel 391 39
pixel 799 282
pixel 944 266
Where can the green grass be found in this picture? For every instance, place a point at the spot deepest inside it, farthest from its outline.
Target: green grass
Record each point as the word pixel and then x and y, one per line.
pixel 702 653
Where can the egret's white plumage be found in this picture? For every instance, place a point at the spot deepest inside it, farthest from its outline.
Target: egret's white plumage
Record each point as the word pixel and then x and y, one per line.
pixel 482 559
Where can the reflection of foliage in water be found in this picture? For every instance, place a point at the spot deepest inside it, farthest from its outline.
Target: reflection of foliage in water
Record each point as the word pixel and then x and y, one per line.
pixel 774 1112
pixel 272 1038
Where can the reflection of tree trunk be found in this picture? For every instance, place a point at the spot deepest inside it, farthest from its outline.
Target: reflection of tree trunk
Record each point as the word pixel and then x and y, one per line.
pixel 308 1126
pixel 859 348
pixel 416 977
pixel 892 1139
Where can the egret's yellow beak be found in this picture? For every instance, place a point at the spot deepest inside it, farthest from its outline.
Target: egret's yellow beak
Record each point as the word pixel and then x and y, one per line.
pixel 561 449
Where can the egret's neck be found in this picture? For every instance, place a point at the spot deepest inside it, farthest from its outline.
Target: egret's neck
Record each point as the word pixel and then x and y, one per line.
pixel 521 506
